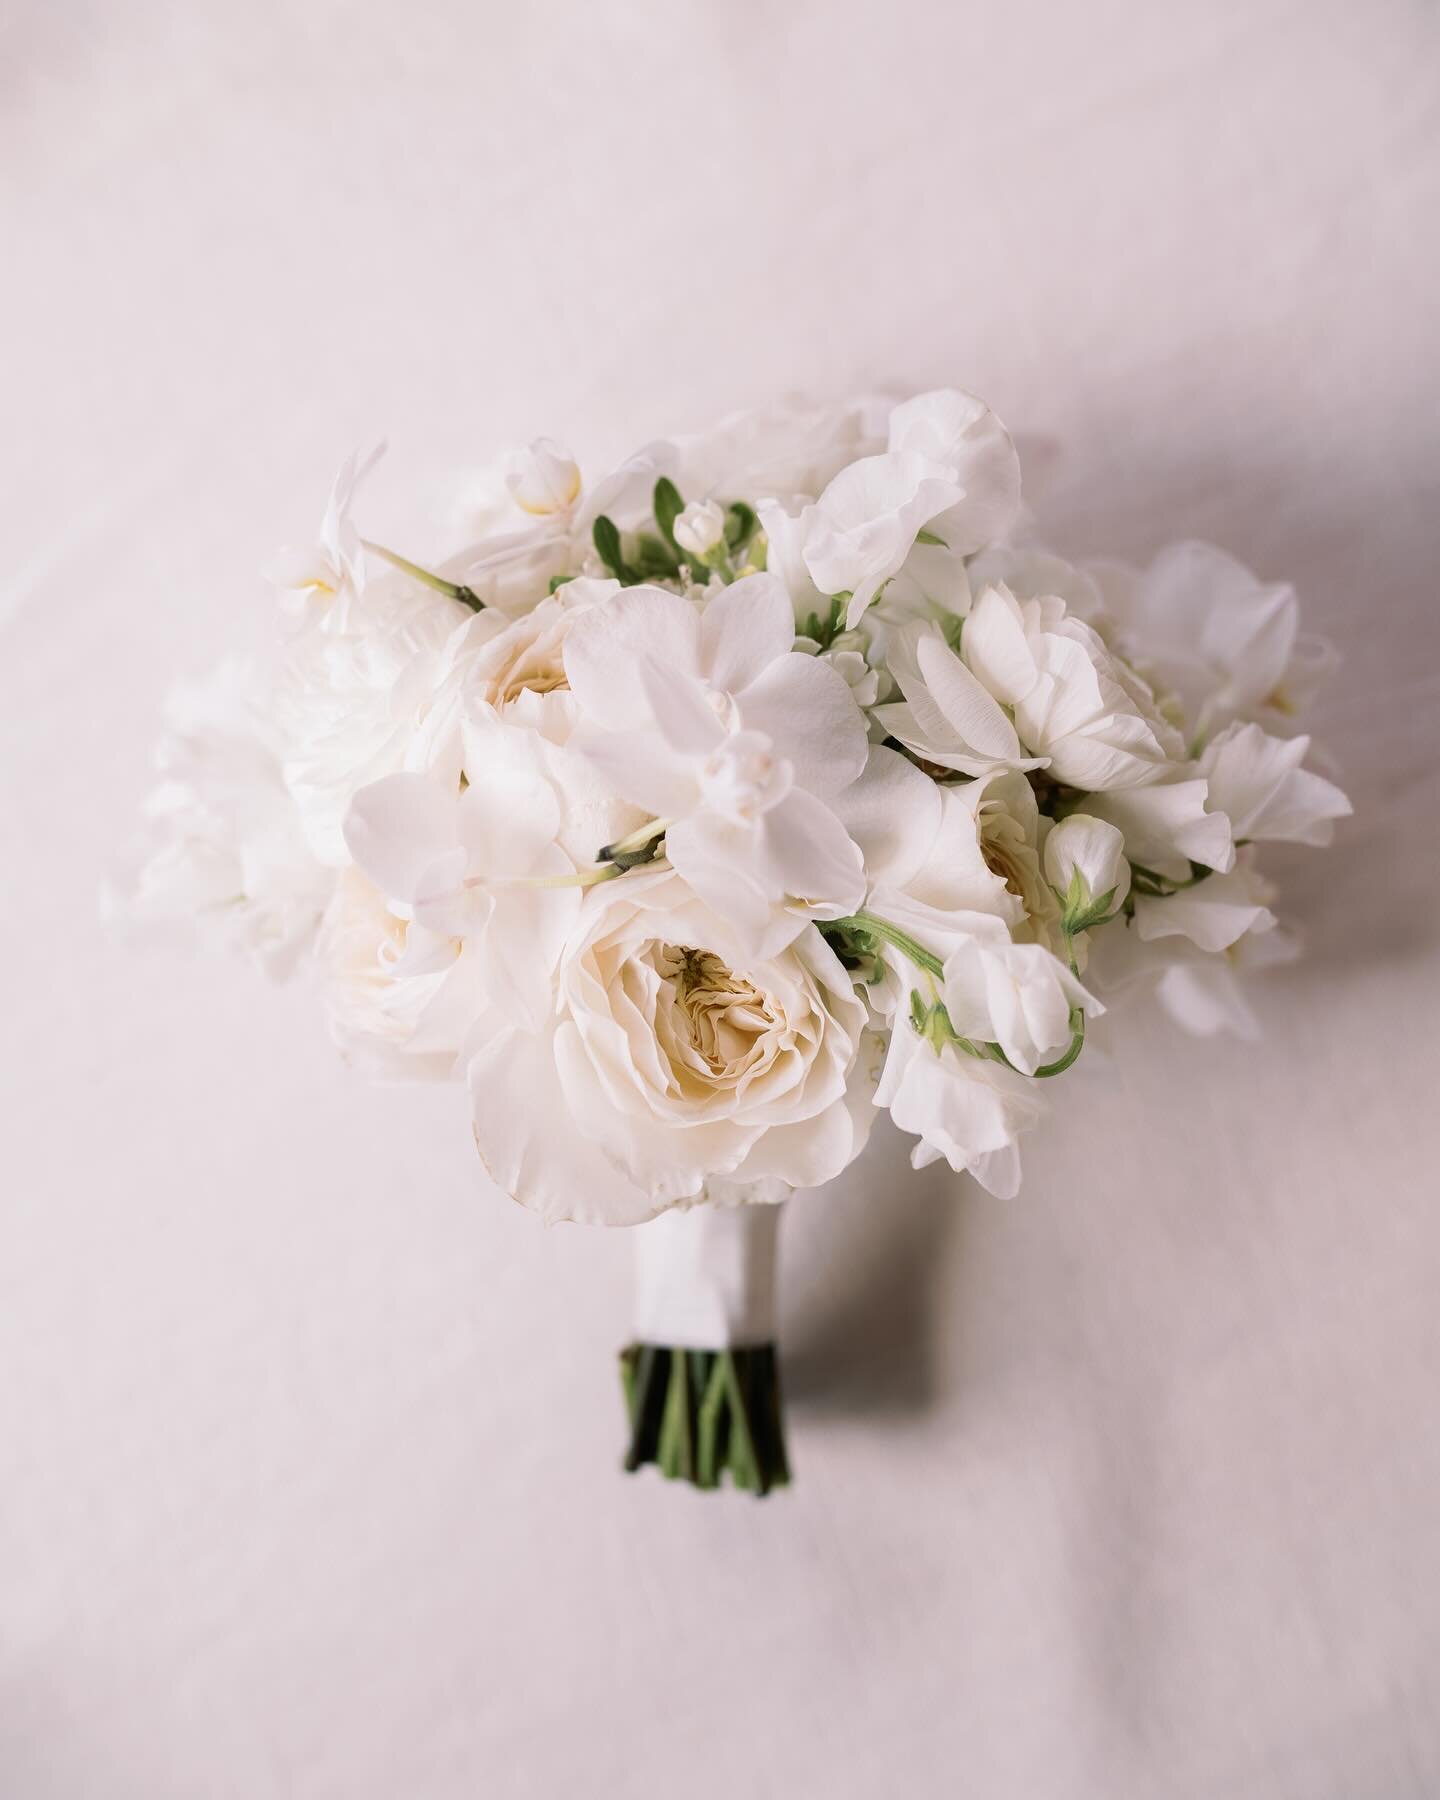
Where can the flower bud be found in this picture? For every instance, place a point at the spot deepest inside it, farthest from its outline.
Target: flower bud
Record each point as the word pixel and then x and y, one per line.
pixel 700 528
pixel 1085 864
pixel 545 479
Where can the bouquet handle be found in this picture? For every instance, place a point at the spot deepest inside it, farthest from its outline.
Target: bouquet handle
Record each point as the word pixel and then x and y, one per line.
pixel 701 1378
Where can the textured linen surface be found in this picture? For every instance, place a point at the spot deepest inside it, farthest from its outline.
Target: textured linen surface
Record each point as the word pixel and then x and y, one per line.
pixel 309 1483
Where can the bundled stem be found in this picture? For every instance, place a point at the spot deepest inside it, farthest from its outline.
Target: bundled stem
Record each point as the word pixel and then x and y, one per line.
pixel 697 1413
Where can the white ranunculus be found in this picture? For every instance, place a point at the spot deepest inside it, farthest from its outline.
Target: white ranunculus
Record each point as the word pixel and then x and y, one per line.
pixel 1073 702
pixel 673 1057
pixel 1018 996
pixel 737 743
pixel 223 854
pixel 962 435
pixel 1085 865
pixel 544 480
pixel 400 999
pixel 1168 824
pixel 1258 782
pixel 968 1111
pixel 700 527
pixel 859 532
pixel 947 717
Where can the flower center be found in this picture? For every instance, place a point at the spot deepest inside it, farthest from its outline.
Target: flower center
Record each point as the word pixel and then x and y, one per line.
pixel 742 777
pixel 717 1019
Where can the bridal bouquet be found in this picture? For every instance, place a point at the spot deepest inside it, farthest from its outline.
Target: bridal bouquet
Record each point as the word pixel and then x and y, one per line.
pixel 776 779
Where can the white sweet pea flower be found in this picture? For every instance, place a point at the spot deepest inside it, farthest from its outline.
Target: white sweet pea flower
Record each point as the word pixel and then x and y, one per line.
pixel 1018 996
pixel 1169 823
pixel 1072 701
pixel 861 529
pixel 1085 865
pixel 700 527
pixel 1213 914
pixel 545 480
pixel 947 717
pixel 1227 642
pixel 1257 781
pixel 968 1111
pixel 732 741
pixel 223 857
pixel 1205 995
pixel 962 435
pixel 950 472
pixel 312 579
pixel 672 1056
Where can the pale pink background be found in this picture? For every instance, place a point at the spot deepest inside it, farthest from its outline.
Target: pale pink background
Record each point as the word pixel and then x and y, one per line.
pixel 308 1440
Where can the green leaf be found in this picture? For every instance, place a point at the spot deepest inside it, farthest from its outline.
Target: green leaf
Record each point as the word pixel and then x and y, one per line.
pixel 929 537
pixel 558 581
pixel 607 545
pixel 668 508
pixel 741 524
pixel 653 557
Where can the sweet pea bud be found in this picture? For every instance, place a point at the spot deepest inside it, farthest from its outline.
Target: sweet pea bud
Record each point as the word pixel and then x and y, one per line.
pixel 545 479
pixel 1085 864
pixel 700 528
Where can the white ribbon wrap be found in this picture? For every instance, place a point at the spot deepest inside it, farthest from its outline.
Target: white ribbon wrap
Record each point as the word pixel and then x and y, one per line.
pixel 705 1279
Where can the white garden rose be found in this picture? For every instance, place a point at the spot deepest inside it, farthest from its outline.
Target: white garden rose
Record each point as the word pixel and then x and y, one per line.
pixel 673 1057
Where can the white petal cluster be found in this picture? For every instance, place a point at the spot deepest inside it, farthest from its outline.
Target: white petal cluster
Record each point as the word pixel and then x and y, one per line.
pixel 699 811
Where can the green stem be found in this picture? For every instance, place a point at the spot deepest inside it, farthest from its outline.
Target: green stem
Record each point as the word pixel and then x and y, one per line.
pixel 451 589
pixel 867 923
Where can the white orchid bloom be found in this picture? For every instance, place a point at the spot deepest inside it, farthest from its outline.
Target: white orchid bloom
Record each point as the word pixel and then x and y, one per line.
pixel 1086 867
pixel 1018 996
pixel 947 716
pixel 735 743
pixel 1258 782
pixel 544 480
pixel 1072 701
pixel 968 1111
pixel 312 579
pixel 488 865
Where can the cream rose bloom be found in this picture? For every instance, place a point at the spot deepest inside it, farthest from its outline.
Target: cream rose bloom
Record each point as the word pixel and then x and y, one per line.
pixel 672 1059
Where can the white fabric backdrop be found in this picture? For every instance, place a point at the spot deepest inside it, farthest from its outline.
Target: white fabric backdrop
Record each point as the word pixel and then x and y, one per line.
pixel 308 1441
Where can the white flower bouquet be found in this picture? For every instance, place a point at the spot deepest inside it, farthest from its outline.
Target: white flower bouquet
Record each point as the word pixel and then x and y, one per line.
pixel 776 779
